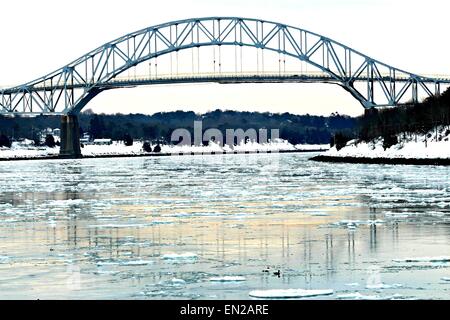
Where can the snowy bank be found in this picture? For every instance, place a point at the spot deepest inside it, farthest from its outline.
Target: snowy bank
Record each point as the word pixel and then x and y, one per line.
pixel 434 144
pixel 29 151
pixel 26 149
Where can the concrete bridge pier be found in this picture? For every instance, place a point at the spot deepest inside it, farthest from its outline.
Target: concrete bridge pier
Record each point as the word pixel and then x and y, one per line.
pixel 70 137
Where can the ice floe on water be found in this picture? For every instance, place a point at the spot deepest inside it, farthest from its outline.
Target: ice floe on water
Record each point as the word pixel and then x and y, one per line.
pixel 156 223
pixel 136 263
pixel 289 293
pixel 107 263
pixel 352 284
pixel 180 256
pixel 398 215
pixel 383 286
pixel 353 224
pixel 318 214
pixel 227 279
pixel 177 282
pixel 4 259
pixel 360 296
pixel 405 215
pixel 140 244
pixel 118 226
pixel 445 279
pixel 356 296
pixel 63 203
pixel 423 259
pixel 160 293
pixel 106 272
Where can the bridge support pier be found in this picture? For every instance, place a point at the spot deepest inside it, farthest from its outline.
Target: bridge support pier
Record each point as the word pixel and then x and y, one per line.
pixel 70 138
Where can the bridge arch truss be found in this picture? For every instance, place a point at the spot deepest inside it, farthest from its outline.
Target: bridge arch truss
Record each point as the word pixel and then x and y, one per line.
pixel 67 90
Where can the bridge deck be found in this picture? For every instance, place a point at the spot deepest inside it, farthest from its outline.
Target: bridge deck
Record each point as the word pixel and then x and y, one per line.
pixel 223 78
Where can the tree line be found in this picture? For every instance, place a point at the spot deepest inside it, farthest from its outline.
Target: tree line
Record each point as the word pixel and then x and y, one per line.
pixel 391 123
pixel 388 123
pixel 297 129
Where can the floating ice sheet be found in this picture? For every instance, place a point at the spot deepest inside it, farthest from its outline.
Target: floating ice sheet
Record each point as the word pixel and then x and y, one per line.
pixel 180 256
pixel 423 259
pixel 136 263
pixel 227 279
pixel 360 296
pixel 383 286
pixel 177 282
pixel 118 226
pixel 352 284
pixel 289 293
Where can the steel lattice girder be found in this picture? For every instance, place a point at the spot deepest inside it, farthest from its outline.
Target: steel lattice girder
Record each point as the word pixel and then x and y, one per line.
pixel 69 89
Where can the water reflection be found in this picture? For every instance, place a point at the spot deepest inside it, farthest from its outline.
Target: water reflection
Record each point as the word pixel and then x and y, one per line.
pixel 107 224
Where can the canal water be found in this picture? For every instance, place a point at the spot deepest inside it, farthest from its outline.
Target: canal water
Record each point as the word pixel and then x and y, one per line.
pixel 221 227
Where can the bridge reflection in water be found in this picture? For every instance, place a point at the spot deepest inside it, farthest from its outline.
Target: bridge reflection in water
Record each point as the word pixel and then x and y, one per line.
pixel 114 221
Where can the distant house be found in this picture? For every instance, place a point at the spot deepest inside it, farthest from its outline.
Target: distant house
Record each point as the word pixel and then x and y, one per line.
pixel 102 142
pixel 56 133
pixel 86 139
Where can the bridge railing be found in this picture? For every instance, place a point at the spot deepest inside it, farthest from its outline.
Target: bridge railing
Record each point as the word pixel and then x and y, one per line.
pixel 238 75
pixel 300 75
pixel 252 74
pixel 442 77
pixel 221 75
pixel 230 75
pixel 204 75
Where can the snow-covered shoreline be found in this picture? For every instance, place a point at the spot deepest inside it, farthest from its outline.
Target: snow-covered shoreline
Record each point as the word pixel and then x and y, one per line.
pixel 24 151
pixel 434 144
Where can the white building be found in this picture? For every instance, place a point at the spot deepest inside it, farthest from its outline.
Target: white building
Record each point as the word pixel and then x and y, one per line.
pixel 103 142
pixel 56 133
pixel 86 139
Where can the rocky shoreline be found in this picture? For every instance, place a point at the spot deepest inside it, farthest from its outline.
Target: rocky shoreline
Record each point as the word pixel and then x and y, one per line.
pixel 389 161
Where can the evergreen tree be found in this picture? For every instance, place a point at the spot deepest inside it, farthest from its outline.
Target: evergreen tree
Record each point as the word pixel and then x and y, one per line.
pixel 50 141
pixel 97 127
pixel 5 141
pixel 146 147
pixel 157 148
pixel 128 140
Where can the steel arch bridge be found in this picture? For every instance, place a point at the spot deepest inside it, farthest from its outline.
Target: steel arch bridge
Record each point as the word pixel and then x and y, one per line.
pixel 67 90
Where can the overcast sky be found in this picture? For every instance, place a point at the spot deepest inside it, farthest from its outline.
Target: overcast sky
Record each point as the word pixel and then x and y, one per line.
pixel 41 36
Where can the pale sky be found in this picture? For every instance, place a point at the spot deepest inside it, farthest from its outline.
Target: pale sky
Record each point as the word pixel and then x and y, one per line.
pixel 41 36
